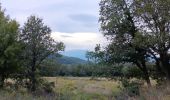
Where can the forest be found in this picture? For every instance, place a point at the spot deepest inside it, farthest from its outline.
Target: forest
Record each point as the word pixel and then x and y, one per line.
pixel 134 65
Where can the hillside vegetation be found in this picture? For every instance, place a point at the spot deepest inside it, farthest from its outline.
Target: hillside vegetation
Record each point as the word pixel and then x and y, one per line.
pixel 70 60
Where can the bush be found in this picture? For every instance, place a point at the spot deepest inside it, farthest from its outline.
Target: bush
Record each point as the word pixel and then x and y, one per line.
pixel 132 72
pixel 45 87
pixel 131 88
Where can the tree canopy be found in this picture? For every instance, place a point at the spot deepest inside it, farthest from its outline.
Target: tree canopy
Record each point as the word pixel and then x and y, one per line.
pixel 39 45
pixel 9 47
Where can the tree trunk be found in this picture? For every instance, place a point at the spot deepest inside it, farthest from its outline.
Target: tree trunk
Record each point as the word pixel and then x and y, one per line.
pixel 143 68
pixel 33 82
pixel 166 68
pixel 146 74
pixel 165 65
pixel 33 77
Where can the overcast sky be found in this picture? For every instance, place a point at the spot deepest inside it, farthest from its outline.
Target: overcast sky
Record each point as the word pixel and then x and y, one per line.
pixel 75 22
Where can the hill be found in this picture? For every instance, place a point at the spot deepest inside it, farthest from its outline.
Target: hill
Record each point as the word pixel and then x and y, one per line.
pixel 70 60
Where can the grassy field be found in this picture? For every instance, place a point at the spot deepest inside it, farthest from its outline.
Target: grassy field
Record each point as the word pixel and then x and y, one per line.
pixel 76 88
pixel 84 88
pixel 69 88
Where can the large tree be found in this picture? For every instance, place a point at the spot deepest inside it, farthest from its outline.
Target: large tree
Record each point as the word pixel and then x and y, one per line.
pixel 138 29
pixel 9 47
pixel 154 18
pixel 118 25
pixel 38 46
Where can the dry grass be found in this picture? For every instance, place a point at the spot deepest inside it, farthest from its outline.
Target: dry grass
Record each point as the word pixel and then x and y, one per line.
pixel 153 93
pixel 68 88
pixel 85 88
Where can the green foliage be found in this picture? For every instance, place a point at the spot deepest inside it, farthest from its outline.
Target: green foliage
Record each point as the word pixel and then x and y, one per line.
pixel 44 87
pixel 118 26
pixel 138 31
pixel 9 47
pixel 155 18
pixel 129 87
pixel 39 45
pixel 69 60
pixel 132 72
pixel 128 44
pixel 97 56
pixel 51 68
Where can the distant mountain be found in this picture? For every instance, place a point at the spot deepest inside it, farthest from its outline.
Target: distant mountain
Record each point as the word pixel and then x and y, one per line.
pixel 70 60
pixel 75 53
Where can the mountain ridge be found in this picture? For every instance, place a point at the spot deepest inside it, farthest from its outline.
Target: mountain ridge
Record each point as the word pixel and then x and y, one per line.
pixel 66 60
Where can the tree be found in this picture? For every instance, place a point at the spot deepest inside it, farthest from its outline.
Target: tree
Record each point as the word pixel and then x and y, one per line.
pixel 118 25
pixel 38 46
pixel 9 47
pixel 155 18
pixel 97 56
pixel 50 68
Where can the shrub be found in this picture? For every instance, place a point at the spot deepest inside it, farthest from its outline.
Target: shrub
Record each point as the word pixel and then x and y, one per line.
pixel 48 87
pixel 45 87
pixel 130 88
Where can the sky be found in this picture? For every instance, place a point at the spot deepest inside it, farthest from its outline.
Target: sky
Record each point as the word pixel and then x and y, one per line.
pixel 74 22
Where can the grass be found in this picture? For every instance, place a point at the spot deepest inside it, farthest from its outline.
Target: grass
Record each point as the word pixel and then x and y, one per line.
pixel 155 93
pixel 69 88
pixel 75 88
pixel 84 88
pixel 13 95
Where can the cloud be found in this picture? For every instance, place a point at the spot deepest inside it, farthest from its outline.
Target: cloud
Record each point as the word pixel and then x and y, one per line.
pixel 65 36
pixel 80 41
pixel 67 16
pixel 75 22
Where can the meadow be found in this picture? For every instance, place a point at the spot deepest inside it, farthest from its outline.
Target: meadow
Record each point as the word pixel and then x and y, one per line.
pixel 86 88
pixel 70 88
pixel 77 88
